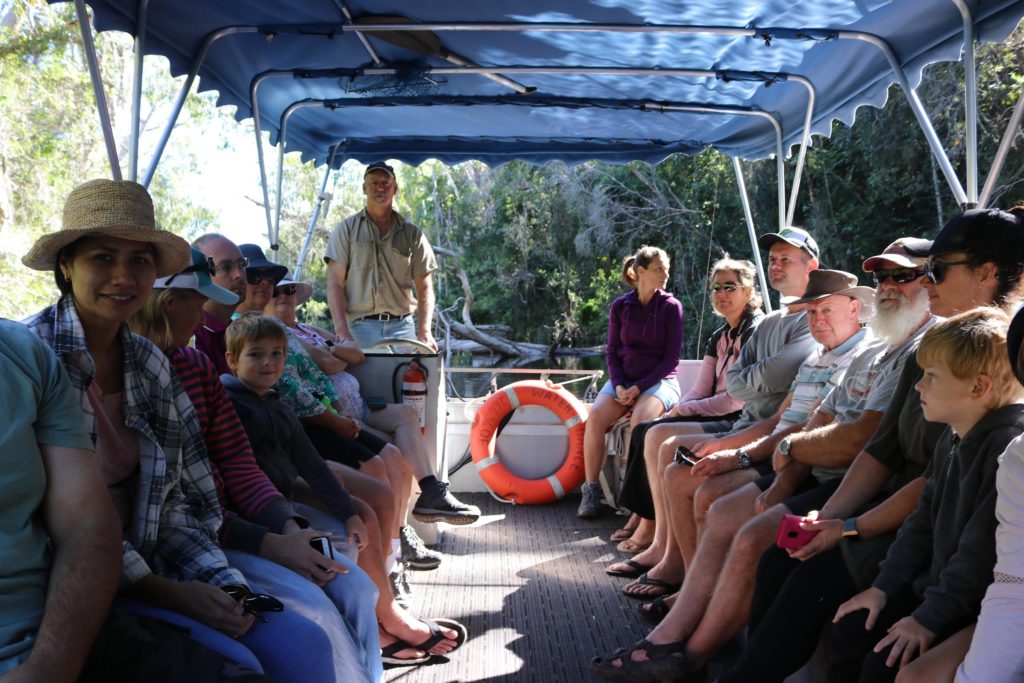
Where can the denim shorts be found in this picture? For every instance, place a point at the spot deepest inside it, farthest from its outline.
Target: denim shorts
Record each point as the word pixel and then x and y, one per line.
pixel 369 332
pixel 667 391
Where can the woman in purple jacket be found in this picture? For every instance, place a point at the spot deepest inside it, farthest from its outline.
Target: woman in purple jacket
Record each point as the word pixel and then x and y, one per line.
pixel 645 334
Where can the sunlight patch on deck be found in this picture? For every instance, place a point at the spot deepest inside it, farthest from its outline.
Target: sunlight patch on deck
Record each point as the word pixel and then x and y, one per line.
pixel 532 591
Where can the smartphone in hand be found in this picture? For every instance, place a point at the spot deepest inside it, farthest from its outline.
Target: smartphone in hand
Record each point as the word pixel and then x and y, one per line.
pixel 322 545
pixel 684 456
pixel 791 535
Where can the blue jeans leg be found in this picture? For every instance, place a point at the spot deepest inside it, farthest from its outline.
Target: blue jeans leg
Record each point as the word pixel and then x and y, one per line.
pixel 354 594
pixel 201 633
pixel 369 332
pixel 304 598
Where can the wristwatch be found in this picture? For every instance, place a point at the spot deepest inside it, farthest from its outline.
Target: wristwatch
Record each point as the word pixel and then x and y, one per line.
pixel 850 527
pixel 785 445
pixel 745 462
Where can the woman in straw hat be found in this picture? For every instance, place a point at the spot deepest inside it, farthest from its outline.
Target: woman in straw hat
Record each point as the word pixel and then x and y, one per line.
pixel 105 259
pixel 264 539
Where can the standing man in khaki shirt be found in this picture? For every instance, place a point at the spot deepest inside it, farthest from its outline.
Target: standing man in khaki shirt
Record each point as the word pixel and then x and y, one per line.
pixel 375 259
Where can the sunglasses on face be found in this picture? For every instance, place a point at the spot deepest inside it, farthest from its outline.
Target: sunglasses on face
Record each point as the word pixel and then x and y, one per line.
pixel 727 286
pixel 287 290
pixel 254 603
pixel 225 268
pixel 937 269
pixel 900 276
pixel 204 267
pixel 256 276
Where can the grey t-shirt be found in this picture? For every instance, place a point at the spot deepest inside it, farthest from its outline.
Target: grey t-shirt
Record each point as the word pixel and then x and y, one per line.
pixel 768 362
pixel 869 384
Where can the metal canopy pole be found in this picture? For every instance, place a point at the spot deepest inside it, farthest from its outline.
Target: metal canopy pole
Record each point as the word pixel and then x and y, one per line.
pixel 97 89
pixel 970 103
pixel 752 232
pixel 320 199
pixel 804 142
pixel 915 105
pixel 141 14
pixel 1004 150
pixel 262 164
pixel 179 102
pixel 780 166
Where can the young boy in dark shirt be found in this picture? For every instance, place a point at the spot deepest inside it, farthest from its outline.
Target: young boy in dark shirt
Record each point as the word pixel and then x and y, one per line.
pixel 257 347
pixel 936 571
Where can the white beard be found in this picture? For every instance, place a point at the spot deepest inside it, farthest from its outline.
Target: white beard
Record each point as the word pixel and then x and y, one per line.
pixel 894 324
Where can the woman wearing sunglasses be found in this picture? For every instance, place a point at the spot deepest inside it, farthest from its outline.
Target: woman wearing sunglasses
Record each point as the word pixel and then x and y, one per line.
pixel 105 259
pixel 735 298
pixel 262 534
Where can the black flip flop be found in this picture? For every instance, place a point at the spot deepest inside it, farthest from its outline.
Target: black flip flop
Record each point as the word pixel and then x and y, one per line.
pixel 655 610
pixel 436 636
pixel 636 570
pixel 644 580
pixel 388 655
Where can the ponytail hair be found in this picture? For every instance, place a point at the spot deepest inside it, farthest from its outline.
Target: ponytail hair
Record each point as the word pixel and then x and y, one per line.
pixel 641 259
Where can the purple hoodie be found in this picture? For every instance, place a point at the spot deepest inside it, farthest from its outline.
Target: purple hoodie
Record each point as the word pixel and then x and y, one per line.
pixel 644 341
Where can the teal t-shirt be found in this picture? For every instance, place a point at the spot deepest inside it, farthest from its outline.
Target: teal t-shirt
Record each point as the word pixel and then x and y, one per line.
pixel 37 406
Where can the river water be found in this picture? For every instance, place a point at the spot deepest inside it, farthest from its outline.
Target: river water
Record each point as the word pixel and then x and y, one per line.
pixel 474 385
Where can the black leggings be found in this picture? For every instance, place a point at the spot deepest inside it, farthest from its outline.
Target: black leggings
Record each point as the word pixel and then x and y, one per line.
pixel 635 495
pixel 793 601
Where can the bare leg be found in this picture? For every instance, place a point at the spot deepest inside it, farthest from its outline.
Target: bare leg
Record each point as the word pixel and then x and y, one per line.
pixel 603 414
pixel 938 665
pixel 379 497
pixel 402 421
pixel 729 609
pixel 727 516
pixel 664 440
pixel 400 478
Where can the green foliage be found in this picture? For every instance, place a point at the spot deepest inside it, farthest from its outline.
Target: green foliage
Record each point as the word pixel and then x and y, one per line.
pixel 542 246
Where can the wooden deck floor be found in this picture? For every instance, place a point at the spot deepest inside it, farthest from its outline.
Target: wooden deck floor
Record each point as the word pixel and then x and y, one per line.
pixel 529 584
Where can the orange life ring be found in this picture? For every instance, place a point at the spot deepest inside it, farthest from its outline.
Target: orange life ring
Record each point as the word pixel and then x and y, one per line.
pixel 483 434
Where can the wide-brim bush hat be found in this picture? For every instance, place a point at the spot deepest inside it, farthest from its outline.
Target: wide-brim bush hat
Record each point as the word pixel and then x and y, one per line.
pixel 824 283
pixel 197 277
pixel 303 290
pixel 118 208
pixel 258 261
pixel 903 253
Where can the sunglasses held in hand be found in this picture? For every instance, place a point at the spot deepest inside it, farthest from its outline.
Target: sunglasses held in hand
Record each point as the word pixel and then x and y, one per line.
pixel 254 603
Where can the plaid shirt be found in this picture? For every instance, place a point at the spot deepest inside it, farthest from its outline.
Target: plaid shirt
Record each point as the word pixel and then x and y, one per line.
pixel 174 532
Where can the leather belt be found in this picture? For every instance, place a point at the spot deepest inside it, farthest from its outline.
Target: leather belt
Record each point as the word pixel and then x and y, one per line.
pixel 383 316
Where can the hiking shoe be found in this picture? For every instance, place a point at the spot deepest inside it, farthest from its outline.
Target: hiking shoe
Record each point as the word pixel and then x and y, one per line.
pixel 400 587
pixel 415 554
pixel 590 506
pixel 436 504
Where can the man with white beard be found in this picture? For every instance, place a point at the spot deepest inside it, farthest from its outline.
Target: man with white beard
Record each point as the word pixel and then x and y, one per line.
pixel 714 603
pixel 797 591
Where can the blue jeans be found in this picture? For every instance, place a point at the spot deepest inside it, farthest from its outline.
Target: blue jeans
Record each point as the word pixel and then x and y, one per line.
pixel 344 609
pixel 369 332
pixel 290 648
pixel 354 595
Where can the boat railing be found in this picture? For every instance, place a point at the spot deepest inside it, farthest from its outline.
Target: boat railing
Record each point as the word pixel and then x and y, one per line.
pixel 593 376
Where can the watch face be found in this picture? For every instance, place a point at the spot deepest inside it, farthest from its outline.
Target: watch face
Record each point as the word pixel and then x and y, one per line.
pixel 784 446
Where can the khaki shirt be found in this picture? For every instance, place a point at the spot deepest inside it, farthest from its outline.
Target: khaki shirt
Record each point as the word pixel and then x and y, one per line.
pixel 380 271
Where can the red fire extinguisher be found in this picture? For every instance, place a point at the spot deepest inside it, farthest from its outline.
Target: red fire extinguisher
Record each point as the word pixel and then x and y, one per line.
pixel 414 390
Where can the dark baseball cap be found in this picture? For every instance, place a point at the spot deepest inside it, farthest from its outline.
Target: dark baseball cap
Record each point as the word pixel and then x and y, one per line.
pixel 988 234
pixel 379 166
pixel 798 237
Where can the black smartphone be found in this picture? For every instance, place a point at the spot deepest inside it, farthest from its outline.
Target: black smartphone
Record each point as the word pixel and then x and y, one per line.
pixel 684 456
pixel 322 545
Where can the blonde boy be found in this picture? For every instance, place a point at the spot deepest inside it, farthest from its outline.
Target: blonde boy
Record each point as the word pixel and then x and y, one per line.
pixel 936 572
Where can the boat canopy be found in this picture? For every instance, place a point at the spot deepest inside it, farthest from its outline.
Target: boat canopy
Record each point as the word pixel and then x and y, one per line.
pixel 539 80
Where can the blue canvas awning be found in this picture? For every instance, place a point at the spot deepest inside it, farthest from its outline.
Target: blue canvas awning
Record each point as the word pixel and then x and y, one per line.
pixel 426 107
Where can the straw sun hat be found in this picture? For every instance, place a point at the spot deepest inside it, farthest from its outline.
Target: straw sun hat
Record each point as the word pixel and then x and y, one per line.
pixel 116 208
